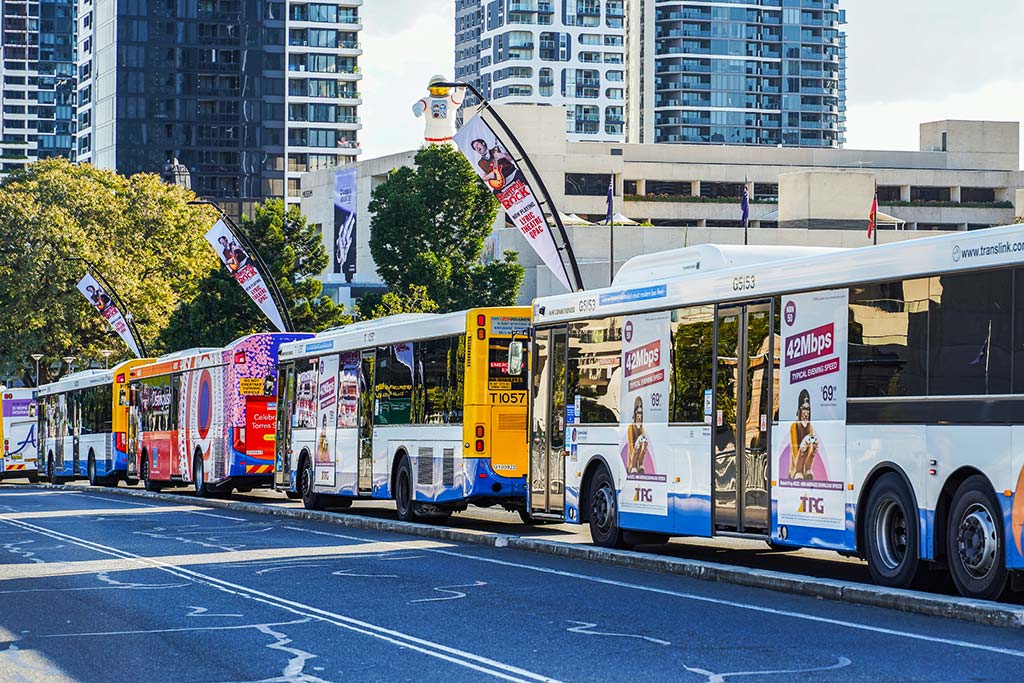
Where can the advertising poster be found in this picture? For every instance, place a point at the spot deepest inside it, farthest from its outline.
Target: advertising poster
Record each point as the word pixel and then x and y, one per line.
pixel 260 421
pixel 644 413
pixel 101 301
pixel 238 263
pixel 490 159
pixel 345 222
pixel 348 390
pixel 810 445
pixel 326 419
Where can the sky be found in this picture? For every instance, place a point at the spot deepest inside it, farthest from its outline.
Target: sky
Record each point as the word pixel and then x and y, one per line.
pixel 908 61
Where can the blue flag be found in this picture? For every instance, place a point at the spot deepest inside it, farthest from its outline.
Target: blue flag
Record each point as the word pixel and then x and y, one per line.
pixel 608 218
pixel 745 205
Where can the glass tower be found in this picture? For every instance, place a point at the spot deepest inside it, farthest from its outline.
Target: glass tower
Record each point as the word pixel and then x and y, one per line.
pixel 753 72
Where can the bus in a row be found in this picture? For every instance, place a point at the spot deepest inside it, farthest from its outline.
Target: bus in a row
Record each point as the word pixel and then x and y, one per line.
pixel 868 401
pixel 430 410
pixel 18 434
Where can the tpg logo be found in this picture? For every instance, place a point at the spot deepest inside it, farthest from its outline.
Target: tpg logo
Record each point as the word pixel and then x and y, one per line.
pixel 814 506
pixel 643 495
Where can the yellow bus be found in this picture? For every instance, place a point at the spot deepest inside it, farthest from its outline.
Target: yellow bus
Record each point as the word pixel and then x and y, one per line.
pixel 427 409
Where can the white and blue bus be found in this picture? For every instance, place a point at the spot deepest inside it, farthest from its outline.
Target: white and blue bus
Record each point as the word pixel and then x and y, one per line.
pixel 868 401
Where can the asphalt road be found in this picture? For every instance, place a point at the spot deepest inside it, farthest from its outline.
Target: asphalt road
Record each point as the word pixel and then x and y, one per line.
pixel 96 587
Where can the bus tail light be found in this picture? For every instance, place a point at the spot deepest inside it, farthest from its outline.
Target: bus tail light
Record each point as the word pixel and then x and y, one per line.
pixel 481 333
pixel 239 357
pixel 481 320
pixel 120 378
pixel 479 431
pixel 479 445
pixel 120 443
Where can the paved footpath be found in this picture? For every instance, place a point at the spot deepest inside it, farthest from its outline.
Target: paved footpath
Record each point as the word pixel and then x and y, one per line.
pixel 100 587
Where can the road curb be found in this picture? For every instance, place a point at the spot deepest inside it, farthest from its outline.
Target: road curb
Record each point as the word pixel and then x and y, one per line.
pixel 913 602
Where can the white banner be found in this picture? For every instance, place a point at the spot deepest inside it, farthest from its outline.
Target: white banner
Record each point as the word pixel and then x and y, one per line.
pixel 644 446
pixel 492 162
pixel 237 261
pixel 810 446
pixel 101 301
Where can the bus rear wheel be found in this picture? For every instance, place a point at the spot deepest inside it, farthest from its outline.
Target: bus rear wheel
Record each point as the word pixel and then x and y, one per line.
pixel 91 471
pixel 203 490
pixel 604 518
pixel 974 542
pixel 891 533
pixel 307 485
pixel 405 496
pixel 51 471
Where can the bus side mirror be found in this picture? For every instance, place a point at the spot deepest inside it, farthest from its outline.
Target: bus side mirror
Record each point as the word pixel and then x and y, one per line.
pixel 515 358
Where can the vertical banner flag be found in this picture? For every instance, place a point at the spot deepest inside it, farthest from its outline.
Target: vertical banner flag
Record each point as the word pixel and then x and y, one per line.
pixel 499 171
pixel 345 222
pixel 241 268
pixel 644 448
pixel 101 301
pixel 810 449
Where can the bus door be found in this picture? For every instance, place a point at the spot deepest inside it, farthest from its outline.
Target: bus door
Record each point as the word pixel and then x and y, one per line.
pixel 131 432
pixel 367 407
pixel 745 383
pixel 548 420
pixel 285 410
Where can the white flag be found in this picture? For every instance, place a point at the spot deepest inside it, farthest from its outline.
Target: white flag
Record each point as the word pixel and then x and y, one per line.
pixel 237 261
pixel 101 301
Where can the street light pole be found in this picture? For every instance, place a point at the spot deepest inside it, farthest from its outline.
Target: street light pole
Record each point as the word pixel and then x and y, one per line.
pixel 106 353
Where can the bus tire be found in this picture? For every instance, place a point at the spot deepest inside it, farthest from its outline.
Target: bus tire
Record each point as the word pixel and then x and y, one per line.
pixel 90 468
pixel 891 533
pixel 292 495
pixel 147 483
pixel 604 518
pixel 33 478
pixel 405 496
pixel 307 484
pixel 975 548
pixel 51 470
pixel 203 490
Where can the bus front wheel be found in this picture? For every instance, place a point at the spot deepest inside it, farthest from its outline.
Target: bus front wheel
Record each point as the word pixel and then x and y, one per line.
pixel 405 503
pixel 147 483
pixel 604 518
pixel 974 542
pixel 91 470
pixel 203 490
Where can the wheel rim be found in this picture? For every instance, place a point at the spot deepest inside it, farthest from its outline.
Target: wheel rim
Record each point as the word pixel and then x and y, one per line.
pixel 977 541
pixel 602 510
pixel 891 534
pixel 307 483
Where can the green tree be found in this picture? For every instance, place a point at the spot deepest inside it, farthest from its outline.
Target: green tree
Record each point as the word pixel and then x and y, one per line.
pixel 414 300
pixel 428 228
pixel 142 236
pixel 295 255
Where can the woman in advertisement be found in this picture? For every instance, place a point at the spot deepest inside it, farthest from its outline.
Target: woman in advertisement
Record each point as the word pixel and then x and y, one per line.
pixel 636 439
pixel 803 441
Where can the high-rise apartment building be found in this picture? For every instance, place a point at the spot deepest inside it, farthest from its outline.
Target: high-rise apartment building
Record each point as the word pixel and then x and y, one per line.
pixel 37 71
pixel 247 94
pixel 569 52
pixel 760 72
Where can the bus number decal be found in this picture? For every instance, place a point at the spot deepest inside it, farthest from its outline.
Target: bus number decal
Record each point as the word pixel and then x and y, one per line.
pixel 588 305
pixel 743 283
pixel 508 398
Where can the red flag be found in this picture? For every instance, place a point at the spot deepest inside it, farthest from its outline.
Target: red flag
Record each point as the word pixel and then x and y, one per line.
pixel 873 218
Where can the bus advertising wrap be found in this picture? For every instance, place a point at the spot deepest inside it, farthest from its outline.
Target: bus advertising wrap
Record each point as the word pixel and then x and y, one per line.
pixel 810 444
pixel 345 222
pixel 644 441
pixel 499 171
pixel 326 419
pixel 101 301
pixel 238 263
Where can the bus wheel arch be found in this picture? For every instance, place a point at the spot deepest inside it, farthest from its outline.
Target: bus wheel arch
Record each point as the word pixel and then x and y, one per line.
pixel 602 496
pixel 876 473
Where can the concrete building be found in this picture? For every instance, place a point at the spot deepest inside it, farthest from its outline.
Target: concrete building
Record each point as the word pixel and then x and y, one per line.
pixel 246 94
pixel 965 176
pixel 559 52
pixel 37 69
pixel 762 73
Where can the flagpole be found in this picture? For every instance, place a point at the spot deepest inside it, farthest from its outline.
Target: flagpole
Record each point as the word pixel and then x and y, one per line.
pixel 746 214
pixel 874 232
pixel 611 231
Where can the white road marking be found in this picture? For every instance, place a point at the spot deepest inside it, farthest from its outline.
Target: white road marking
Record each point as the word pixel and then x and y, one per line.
pixel 204 612
pixel 588 629
pixel 351 572
pixel 4 494
pixel 459 657
pixel 740 605
pixel 219 516
pixel 294 671
pixel 292 565
pixel 15 548
pixel 720 678
pixel 455 594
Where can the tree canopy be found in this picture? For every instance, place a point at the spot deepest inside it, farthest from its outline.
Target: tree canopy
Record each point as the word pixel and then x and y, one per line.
pixel 428 229
pixel 293 251
pixel 142 235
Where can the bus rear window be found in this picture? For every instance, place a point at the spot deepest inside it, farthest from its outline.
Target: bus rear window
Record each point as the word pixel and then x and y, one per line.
pixel 497 366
